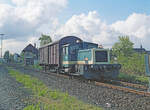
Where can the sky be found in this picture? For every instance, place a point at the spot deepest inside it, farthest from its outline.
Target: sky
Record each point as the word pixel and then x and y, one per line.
pixel 98 21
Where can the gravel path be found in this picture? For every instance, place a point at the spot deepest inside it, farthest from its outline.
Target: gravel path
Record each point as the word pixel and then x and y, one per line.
pixel 11 93
pixel 108 98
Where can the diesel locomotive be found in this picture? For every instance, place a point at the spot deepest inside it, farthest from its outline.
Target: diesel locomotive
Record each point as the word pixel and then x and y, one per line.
pixel 71 55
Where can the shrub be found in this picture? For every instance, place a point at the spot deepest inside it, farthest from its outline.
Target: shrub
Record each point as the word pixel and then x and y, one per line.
pixel 133 78
pixel 132 65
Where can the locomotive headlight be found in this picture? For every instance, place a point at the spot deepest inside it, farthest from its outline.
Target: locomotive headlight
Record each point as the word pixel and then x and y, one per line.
pixel 86 59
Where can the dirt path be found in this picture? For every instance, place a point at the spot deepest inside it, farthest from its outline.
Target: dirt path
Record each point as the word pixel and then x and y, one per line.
pixel 12 93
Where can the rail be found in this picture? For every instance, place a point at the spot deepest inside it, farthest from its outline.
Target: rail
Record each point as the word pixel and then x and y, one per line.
pixel 111 86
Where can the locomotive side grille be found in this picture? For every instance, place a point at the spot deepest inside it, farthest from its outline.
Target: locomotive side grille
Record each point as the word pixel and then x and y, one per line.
pixel 101 56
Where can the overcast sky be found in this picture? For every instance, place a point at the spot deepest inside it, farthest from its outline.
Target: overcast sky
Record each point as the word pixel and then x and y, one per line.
pixel 99 21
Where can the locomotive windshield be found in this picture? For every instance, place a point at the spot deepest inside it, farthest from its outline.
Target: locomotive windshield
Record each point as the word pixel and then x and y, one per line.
pixel 101 56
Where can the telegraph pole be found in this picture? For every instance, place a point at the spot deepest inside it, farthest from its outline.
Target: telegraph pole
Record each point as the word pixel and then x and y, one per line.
pixel 2 44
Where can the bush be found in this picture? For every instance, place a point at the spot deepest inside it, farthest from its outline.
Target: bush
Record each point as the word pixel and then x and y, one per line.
pixel 133 78
pixel 132 65
pixel 37 66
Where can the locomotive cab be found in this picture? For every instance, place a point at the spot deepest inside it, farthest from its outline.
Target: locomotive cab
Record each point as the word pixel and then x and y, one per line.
pixel 93 56
pixel 101 56
pixel 70 55
pixel 89 61
pixel 95 64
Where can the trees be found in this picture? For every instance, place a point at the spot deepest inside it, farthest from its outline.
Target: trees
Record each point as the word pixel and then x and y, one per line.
pixel 132 62
pixel 132 65
pixel 123 47
pixel 45 39
pixel 6 55
pixel 11 57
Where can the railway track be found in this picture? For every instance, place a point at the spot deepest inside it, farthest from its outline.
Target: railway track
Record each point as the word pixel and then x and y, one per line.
pixel 138 86
pixel 116 85
pixel 124 89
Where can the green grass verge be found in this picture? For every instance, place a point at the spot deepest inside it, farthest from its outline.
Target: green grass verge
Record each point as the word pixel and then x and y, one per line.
pixel 133 78
pixel 36 66
pixel 47 99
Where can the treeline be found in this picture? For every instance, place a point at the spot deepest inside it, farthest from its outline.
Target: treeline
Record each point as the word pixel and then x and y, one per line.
pixel 131 61
pixel 9 57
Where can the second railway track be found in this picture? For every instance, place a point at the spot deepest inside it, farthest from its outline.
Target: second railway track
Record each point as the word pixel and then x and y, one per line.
pixel 121 86
pixel 90 92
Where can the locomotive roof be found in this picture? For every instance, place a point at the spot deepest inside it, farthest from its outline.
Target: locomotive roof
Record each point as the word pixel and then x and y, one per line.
pixel 63 40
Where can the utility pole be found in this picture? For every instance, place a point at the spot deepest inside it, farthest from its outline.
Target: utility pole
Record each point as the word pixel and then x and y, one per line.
pixel 2 45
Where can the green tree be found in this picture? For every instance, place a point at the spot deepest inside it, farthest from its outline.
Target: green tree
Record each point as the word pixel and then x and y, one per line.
pixel 123 47
pixel 132 65
pixel 11 58
pixel 6 55
pixel 45 39
pixel 132 62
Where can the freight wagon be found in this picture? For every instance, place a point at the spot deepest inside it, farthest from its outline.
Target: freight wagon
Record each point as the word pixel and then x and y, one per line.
pixel 71 55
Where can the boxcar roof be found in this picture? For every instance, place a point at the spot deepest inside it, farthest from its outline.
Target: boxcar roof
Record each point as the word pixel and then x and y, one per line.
pixel 64 40
pixel 52 43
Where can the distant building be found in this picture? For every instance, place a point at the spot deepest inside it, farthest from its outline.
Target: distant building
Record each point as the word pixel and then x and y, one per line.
pixel 140 50
pixel 30 54
pixel 2 60
pixel 17 58
pixel 148 52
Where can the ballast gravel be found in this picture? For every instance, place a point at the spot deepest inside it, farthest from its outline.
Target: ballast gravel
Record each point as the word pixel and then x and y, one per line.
pixel 109 99
pixel 12 94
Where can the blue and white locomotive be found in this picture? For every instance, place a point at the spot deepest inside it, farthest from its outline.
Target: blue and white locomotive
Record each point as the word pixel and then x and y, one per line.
pixel 71 55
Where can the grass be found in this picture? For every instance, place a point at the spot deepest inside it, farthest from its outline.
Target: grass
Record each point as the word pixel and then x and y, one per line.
pixel 37 66
pixel 47 99
pixel 133 78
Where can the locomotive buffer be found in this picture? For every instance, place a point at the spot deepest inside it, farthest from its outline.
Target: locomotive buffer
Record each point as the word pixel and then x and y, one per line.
pixel 147 65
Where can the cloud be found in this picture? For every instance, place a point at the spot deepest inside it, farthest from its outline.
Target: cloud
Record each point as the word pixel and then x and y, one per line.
pixel 14 45
pixel 25 17
pixel 91 28
pixel 137 26
pixel 20 20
